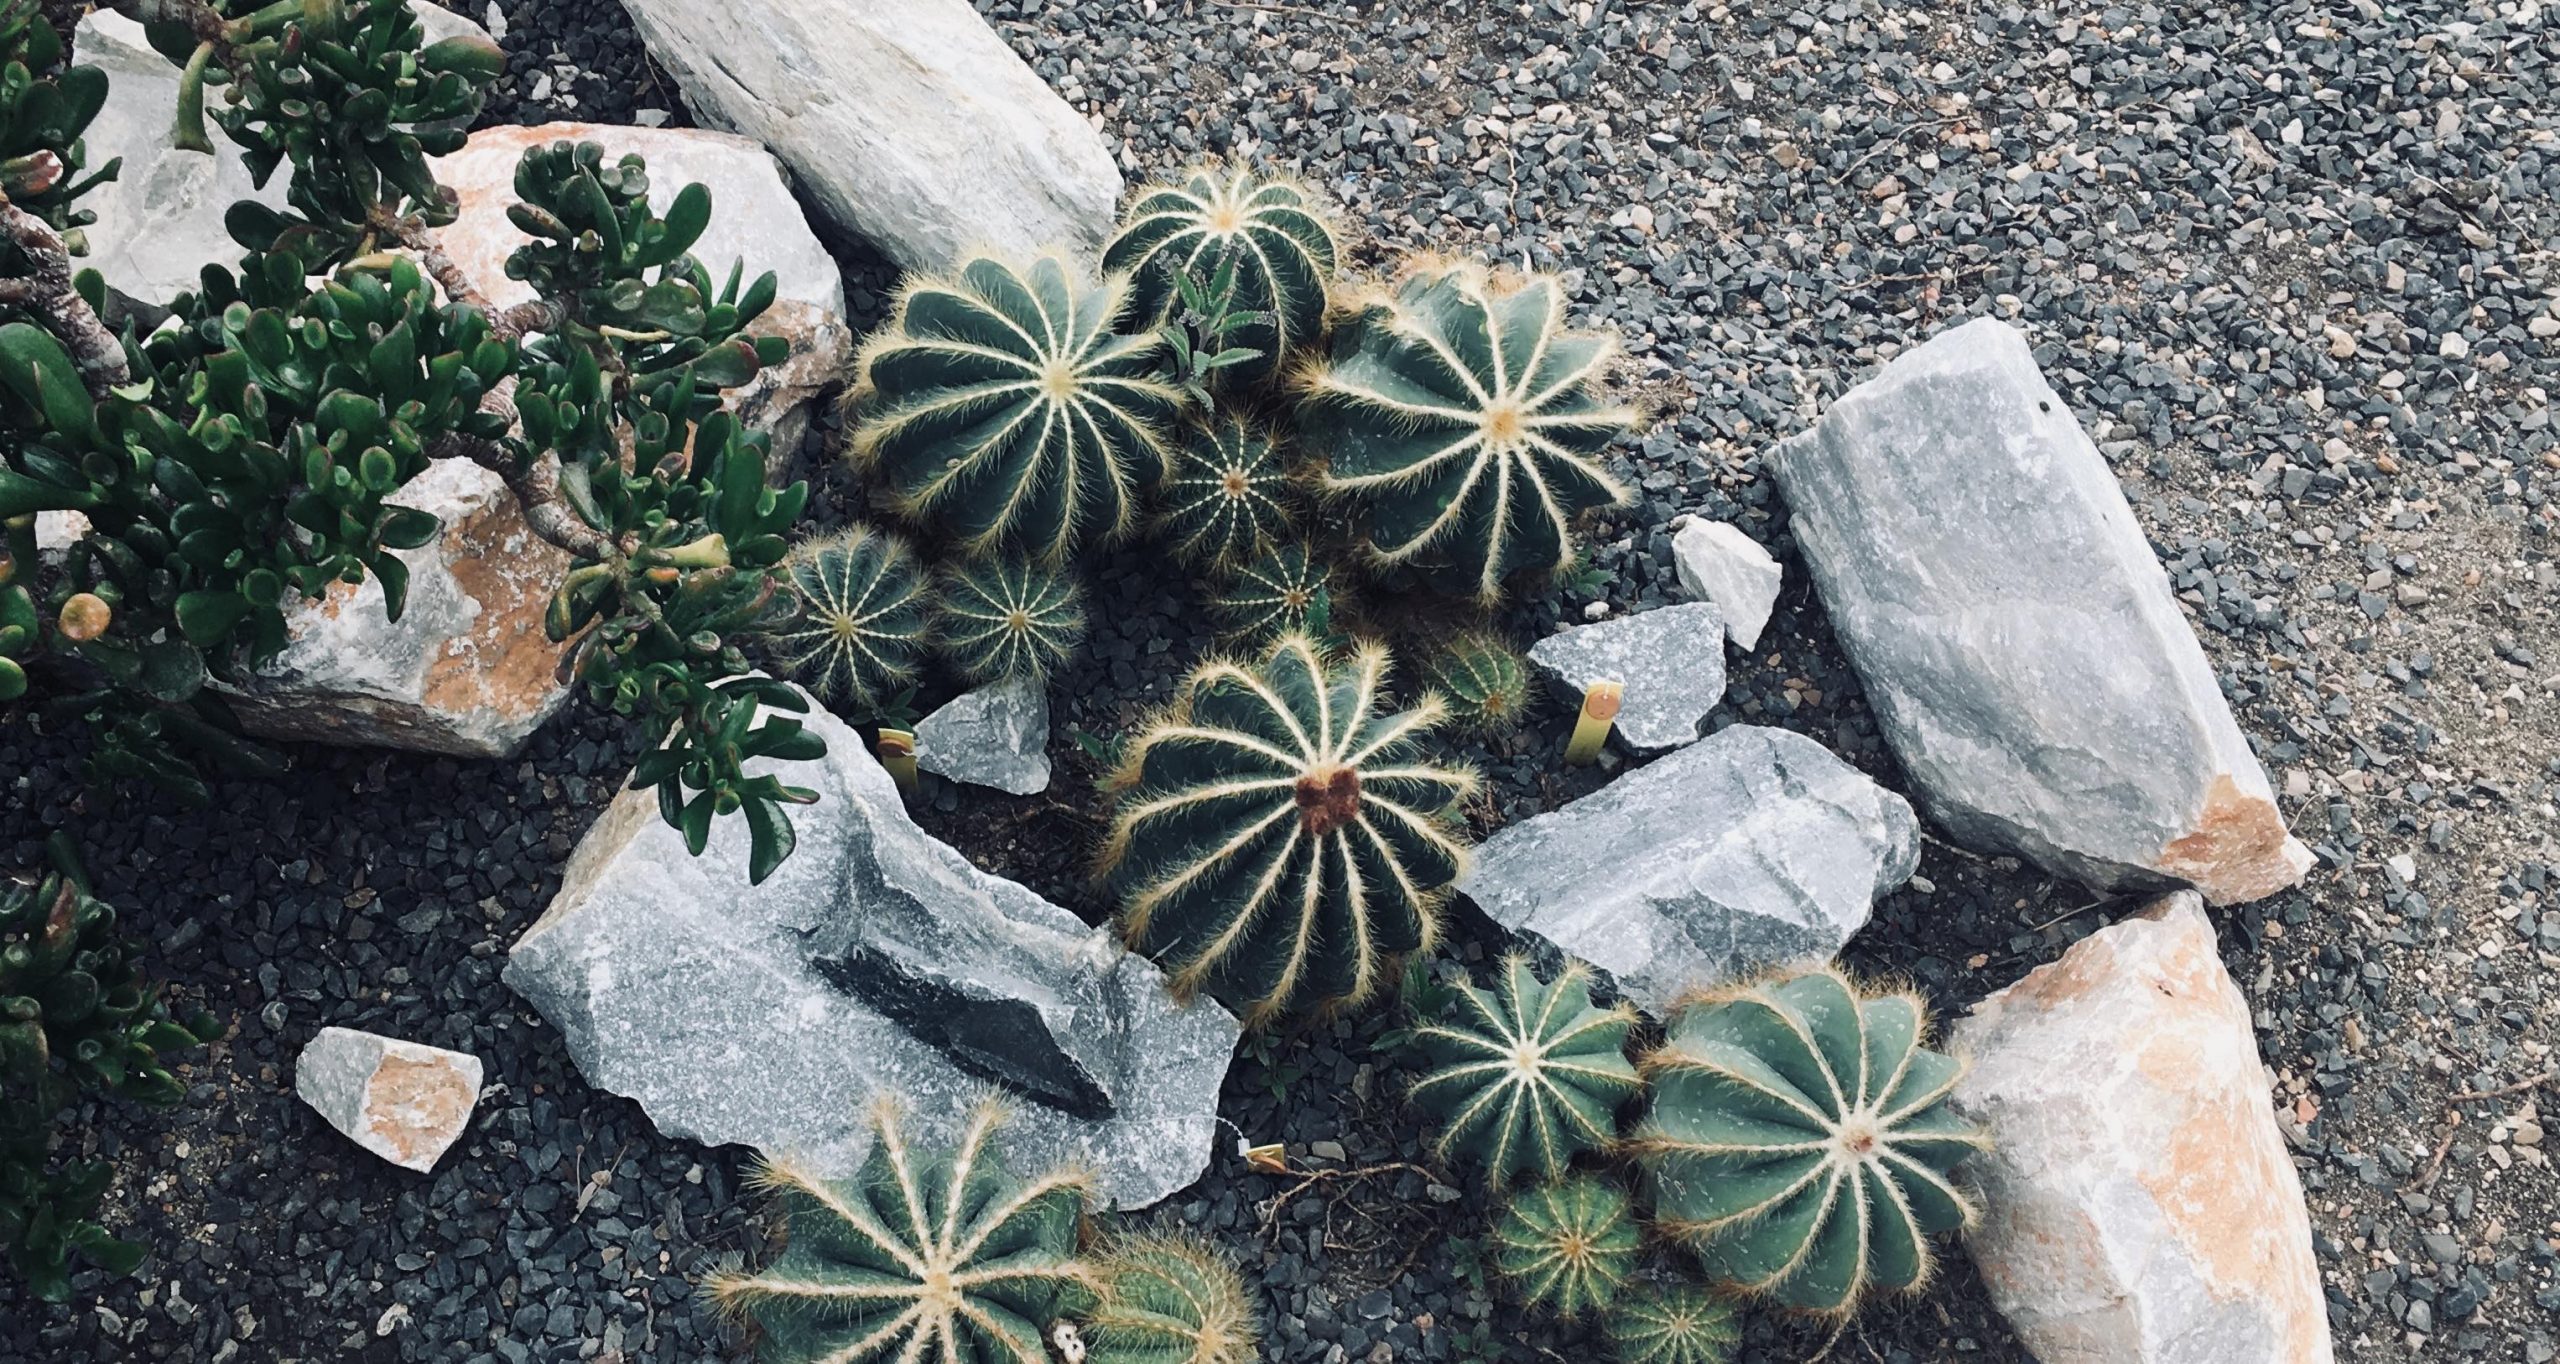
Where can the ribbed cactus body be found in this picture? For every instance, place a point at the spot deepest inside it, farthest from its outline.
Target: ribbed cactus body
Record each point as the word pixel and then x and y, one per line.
pixel 1464 421
pixel 919 1257
pixel 1272 593
pixel 1566 1248
pixel 1485 681
pixel 1672 1325
pixel 1004 407
pixel 1526 1075
pixel 1009 617
pixel 1279 842
pixel 1800 1140
pixel 1169 1300
pixel 860 635
pixel 1281 242
pixel 1228 497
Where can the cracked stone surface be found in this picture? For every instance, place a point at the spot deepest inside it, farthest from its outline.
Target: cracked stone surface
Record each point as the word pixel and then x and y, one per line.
pixel 1670 659
pixel 996 736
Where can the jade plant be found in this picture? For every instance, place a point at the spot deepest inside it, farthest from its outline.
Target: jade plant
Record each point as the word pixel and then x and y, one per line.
pixel 1463 423
pixel 1228 495
pixel 1007 618
pixel 920 1256
pixel 859 636
pixel 1671 1324
pixel 1280 842
pixel 1264 245
pixel 1527 1075
pixel 1169 1299
pixel 1800 1140
pixel 1566 1248
pixel 1485 681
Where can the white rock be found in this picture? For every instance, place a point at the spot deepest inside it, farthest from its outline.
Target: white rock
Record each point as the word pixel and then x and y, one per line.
pixel 1670 660
pixel 996 736
pixel 404 1101
pixel 2138 1203
pixel 908 122
pixel 1719 562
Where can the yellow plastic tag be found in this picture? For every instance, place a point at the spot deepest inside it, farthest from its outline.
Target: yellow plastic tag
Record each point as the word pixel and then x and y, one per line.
pixel 898 754
pixel 1591 730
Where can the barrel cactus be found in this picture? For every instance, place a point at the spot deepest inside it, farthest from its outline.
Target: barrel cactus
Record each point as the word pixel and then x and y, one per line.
pixel 1009 618
pixel 1526 1075
pixel 1672 1325
pixel 860 634
pixel 916 1257
pixel 1485 681
pixel 1800 1140
pixel 1003 406
pixel 1566 1248
pixel 1274 593
pixel 1464 421
pixel 1281 244
pixel 1169 1299
pixel 1228 496
pixel 1279 842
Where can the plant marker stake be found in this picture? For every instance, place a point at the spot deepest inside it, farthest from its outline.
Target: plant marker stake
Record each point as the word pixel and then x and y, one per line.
pixel 1599 713
pixel 898 754
pixel 1272 1159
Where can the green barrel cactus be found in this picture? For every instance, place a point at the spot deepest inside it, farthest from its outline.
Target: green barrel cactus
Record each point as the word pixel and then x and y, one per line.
pixel 1526 1075
pixel 918 1257
pixel 1800 1140
pixel 1002 406
pixel 1227 497
pixel 1485 681
pixel 1279 842
pixel 860 634
pixel 1283 248
pixel 1464 421
pixel 1275 593
pixel 1009 618
pixel 1170 1299
pixel 1672 1325
pixel 1566 1248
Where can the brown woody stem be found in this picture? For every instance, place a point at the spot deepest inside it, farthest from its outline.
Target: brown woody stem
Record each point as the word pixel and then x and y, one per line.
pixel 48 294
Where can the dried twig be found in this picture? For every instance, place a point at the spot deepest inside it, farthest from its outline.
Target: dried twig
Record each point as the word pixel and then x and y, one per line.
pixel 1280 9
pixel 1312 1178
pixel 2502 1091
pixel 2435 1163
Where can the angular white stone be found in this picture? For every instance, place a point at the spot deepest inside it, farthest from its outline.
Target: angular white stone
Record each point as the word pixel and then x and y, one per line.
pixel 404 1101
pixel 1718 562
pixel 1748 849
pixel 2015 633
pixel 1670 660
pixel 908 122
pixel 874 961
pixel 996 736
pixel 2138 1203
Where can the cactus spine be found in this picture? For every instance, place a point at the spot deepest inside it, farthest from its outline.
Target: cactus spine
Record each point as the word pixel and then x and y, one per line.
pixel 1526 1075
pixel 1281 244
pixel 1566 1248
pixel 860 634
pixel 1227 497
pixel 1170 1299
pixel 1484 680
pixel 1672 1325
pixel 1273 594
pixel 1009 618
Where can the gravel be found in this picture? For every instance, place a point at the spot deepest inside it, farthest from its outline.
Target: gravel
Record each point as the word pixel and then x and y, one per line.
pixel 2295 272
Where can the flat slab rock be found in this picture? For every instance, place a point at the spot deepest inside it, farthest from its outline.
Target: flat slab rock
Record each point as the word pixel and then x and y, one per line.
pixel 1750 848
pixel 2017 636
pixel 1670 660
pixel 875 961
pixel 996 736
pixel 404 1101
pixel 2138 1206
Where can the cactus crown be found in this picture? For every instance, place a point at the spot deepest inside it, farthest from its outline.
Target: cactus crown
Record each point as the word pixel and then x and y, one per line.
pixel 1009 618
pixel 1003 405
pixel 1800 1140
pixel 1484 680
pixel 1227 496
pixel 1672 1325
pixel 1282 245
pixel 916 1257
pixel 1526 1075
pixel 1274 593
pixel 860 634
pixel 1566 1248
pixel 1278 842
pixel 1463 418
pixel 1170 1299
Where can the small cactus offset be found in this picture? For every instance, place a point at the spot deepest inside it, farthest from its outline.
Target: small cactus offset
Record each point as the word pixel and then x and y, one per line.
pixel 1485 681
pixel 1800 1140
pixel 1464 421
pixel 1004 407
pixel 1281 245
pixel 1170 1299
pixel 860 634
pixel 1526 1075
pixel 1566 1248
pixel 1009 618
pixel 1228 496
pixel 1672 1325
pixel 918 1257
pixel 1279 843
pixel 1273 593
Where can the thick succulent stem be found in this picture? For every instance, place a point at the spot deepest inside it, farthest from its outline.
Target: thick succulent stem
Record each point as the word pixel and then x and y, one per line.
pixel 48 294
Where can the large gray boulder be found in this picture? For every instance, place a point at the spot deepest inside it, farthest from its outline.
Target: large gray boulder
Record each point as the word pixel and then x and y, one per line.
pixel 1750 848
pixel 2015 633
pixel 2138 1205
pixel 875 961
pixel 908 122
pixel 1670 660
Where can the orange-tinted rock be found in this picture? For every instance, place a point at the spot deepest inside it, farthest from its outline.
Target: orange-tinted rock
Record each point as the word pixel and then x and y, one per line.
pixel 404 1101
pixel 2138 1205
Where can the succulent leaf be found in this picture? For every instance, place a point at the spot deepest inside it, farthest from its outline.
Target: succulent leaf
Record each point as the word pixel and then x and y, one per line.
pixel 1009 618
pixel 1672 1325
pixel 1170 1299
pixel 1272 594
pixel 1282 245
pixel 1526 1075
pixel 1566 1248
pixel 1485 681
pixel 861 632
pixel 1228 496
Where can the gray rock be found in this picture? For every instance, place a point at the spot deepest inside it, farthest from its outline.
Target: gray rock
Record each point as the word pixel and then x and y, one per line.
pixel 1670 660
pixel 908 122
pixel 1749 848
pixel 404 1101
pixel 2138 1203
pixel 1718 562
pixel 995 736
pixel 876 960
pixel 2016 636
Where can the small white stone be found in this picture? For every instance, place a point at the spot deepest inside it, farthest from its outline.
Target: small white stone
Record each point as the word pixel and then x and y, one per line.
pixel 2403 867
pixel 2452 346
pixel 404 1101
pixel 1718 562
